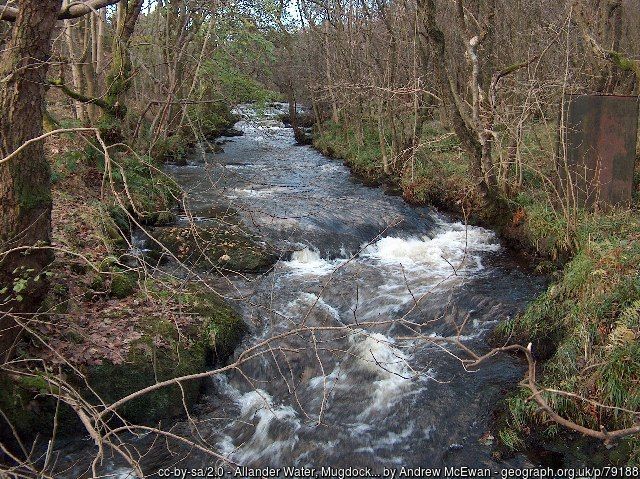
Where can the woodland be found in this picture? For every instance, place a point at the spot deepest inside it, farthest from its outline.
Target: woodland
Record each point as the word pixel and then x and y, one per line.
pixel 455 104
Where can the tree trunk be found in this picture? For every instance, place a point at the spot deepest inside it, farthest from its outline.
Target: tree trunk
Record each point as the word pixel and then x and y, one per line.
pixel 332 96
pixel 120 76
pixel 467 137
pixel 25 179
pixel 100 42
pixel 77 73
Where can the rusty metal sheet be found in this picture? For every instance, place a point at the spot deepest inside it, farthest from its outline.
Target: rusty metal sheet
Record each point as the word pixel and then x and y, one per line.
pixel 600 147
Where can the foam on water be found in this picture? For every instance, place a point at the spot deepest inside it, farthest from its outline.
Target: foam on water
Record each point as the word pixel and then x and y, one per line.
pixel 309 261
pixel 238 166
pixel 329 380
pixel 373 354
pixel 456 247
pixel 253 192
pixel 394 438
pixel 331 167
pixel 258 405
pixel 122 473
pixel 374 359
pixel 313 300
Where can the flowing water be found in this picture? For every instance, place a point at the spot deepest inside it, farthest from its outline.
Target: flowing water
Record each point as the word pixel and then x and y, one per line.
pixel 367 300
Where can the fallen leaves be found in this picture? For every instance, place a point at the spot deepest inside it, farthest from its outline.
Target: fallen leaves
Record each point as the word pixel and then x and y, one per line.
pixel 105 330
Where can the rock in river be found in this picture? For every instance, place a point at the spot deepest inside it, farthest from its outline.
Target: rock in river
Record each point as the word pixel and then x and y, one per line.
pixel 225 246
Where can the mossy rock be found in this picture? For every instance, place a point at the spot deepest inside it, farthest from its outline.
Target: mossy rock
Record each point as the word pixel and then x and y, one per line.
pixel 148 193
pixel 222 212
pixel 161 353
pixel 158 218
pixel 113 236
pixel 223 328
pixel 164 218
pixel 31 408
pixel 192 351
pixel 122 285
pixel 28 404
pixel 97 286
pixel 120 218
pixel 227 247
pixel 145 365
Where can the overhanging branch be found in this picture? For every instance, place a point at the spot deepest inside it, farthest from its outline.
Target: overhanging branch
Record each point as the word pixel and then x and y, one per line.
pixel 109 108
pixel 78 96
pixel 73 10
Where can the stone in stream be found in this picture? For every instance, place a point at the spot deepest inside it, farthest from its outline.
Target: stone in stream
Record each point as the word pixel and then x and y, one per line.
pixel 231 132
pixel 225 246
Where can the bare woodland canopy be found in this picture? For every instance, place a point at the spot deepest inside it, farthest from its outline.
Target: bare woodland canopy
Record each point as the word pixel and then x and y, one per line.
pixel 145 76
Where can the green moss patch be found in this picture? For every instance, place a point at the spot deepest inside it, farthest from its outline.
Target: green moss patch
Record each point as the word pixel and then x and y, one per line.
pixel 146 364
pixel 123 351
pixel 122 285
pixel 223 327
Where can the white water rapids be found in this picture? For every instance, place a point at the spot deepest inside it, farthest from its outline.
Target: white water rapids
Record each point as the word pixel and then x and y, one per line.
pixel 366 295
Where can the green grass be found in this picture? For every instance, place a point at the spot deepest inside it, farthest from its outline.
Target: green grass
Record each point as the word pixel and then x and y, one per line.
pixel 362 153
pixel 511 439
pixel 589 323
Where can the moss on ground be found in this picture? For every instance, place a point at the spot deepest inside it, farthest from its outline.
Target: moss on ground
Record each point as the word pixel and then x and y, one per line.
pixel 147 363
pixel 161 351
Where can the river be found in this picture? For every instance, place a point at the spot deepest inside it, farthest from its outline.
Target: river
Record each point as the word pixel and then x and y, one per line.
pixel 375 289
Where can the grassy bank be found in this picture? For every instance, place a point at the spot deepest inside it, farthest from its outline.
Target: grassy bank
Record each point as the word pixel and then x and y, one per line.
pixel 585 328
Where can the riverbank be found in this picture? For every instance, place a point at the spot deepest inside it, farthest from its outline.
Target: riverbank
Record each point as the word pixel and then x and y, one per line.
pixel 113 322
pixel 585 328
